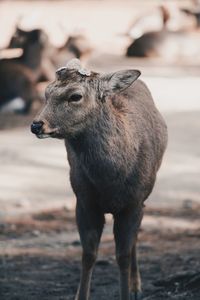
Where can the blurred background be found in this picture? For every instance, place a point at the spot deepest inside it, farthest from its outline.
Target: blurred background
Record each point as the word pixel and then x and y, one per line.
pixel 39 244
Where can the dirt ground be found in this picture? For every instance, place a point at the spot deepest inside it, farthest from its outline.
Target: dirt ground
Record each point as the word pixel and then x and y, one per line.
pixel 40 258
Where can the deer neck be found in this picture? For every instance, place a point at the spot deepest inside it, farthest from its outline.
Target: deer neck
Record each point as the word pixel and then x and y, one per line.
pixel 106 138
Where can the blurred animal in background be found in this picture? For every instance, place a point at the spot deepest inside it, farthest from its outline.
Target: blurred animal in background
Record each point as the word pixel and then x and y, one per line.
pixel 19 75
pixel 34 44
pixel 193 11
pixel 164 16
pixel 44 58
pixel 37 63
pixel 169 40
pixel 153 20
pixel 76 46
pixel 18 88
pixel 167 45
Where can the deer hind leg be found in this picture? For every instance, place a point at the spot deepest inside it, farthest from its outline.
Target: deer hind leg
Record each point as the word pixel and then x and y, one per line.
pixel 126 225
pixel 90 225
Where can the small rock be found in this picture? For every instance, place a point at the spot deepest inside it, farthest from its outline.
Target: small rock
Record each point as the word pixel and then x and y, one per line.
pixel 36 232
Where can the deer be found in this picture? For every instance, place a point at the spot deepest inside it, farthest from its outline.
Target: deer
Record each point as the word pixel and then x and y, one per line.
pixel 115 139
pixel 41 56
pixel 75 46
pixel 34 44
pixel 175 38
pixel 18 88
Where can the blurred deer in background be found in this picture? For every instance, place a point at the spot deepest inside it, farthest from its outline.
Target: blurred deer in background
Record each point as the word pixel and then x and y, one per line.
pixel 19 75
pixel 115 139
pixel 44 58
pixel 167 35
pixel 18 88
pixel 34 44
pixel 76 46
pixel 39 60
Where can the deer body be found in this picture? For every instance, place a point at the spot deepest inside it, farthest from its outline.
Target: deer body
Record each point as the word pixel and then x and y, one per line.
pixel 115 139
pixel 119 154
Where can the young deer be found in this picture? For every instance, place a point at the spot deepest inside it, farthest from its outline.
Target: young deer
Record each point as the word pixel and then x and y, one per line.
pixel 115 140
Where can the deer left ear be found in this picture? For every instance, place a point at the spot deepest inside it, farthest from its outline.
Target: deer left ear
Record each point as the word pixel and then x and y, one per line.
pixel 121 80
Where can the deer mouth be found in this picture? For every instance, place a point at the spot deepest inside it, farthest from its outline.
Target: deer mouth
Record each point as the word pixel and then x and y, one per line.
pixel 53 134
pixel 43 135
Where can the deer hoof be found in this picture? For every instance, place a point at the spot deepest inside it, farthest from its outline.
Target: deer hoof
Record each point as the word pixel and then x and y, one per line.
pixel 136 296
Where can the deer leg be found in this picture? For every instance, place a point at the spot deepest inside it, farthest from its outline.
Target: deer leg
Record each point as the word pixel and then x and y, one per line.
pixel 90 225
pixel 135 275
pixel 126 225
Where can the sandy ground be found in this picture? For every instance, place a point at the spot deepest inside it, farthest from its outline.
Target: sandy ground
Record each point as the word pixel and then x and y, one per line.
pixel 39 244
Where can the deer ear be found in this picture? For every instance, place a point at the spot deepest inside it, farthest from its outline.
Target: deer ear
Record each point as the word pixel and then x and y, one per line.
pixel 121 80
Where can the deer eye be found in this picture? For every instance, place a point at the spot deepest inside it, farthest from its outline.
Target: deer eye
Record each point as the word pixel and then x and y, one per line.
pixel 75 97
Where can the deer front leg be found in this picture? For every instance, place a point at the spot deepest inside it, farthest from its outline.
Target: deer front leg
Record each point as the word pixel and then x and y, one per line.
pixel 135 283
pixel 90 225
pixel 126 225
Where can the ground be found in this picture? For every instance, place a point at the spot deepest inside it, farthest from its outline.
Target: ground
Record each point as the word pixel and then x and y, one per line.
pixel 42 257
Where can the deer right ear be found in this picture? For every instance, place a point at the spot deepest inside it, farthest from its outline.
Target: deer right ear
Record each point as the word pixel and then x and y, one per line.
pixel 119 81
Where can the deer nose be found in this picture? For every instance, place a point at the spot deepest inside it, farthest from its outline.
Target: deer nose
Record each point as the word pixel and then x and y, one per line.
pixel 36 127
